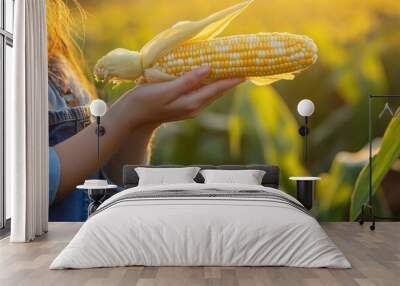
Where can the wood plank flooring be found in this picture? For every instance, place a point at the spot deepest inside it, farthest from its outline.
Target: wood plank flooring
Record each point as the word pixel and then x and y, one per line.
pixel 375 257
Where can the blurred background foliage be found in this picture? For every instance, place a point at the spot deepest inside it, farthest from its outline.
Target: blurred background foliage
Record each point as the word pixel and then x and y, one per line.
pixel 359 42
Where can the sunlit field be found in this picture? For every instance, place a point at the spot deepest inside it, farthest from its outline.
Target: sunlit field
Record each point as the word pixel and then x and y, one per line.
pixel 359 44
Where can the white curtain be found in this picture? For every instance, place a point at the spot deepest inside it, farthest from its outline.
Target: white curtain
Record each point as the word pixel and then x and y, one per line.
pixel 27 124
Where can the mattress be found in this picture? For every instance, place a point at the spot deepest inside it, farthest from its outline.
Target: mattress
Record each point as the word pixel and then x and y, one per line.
pixel 201 225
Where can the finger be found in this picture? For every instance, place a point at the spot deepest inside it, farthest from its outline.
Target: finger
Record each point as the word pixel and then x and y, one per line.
pixel 197 100
pixel 211 92
pixel 187 82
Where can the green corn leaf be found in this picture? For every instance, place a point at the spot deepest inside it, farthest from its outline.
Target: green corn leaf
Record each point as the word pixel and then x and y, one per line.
pixel 381 164
pixel 235 135
pixel 336 186
pixel 276 130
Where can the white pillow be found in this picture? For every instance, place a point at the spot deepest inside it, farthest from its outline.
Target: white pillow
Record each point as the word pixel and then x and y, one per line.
pixel 248 177
pixel 162 176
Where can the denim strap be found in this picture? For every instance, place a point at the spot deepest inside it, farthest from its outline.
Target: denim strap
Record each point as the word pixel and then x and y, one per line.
pixel 80 113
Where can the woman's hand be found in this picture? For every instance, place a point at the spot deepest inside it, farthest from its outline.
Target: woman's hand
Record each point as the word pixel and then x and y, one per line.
pixel 185 97
pixel 130 122
pixel 145 107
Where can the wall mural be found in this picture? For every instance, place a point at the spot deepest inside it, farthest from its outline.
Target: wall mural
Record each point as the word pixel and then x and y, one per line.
pixel 357 56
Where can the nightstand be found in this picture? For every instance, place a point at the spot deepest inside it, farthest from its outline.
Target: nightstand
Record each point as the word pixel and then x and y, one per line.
pixel 306 190
pixel 96 194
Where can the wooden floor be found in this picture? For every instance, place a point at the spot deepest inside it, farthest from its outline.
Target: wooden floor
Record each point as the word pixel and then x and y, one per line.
pixel 375 257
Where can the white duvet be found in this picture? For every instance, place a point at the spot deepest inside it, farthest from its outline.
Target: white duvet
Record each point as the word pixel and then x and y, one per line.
pixel 200 231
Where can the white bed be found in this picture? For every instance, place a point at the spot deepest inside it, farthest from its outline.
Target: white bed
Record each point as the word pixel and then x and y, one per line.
pixel 269 228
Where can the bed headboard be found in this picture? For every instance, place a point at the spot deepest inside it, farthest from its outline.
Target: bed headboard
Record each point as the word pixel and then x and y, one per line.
pixel 270 179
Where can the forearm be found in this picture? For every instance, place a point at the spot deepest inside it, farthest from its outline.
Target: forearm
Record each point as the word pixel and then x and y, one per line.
pixel 136 149
pixel 78 154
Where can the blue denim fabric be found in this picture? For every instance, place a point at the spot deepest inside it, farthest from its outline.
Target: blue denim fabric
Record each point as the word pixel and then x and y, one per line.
pixel 65 122
pixel 54 174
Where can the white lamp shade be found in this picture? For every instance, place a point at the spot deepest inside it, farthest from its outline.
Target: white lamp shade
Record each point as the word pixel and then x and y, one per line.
pixel 98 107
pixel 305 107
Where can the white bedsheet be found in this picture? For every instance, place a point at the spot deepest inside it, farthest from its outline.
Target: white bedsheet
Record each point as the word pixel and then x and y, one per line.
pixel 200 231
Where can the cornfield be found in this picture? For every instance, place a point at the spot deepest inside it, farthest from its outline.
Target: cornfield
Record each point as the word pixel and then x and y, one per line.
pixel 358 42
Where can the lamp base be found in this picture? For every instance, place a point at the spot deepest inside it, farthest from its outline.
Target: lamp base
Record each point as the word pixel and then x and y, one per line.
pixel 303 131
pixel 100 130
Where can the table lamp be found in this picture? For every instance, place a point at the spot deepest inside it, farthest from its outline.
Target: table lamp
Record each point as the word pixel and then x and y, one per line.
pixel 98 108
pixel 305 108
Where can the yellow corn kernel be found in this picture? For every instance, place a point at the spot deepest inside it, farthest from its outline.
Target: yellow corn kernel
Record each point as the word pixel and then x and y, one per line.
pixel 242 55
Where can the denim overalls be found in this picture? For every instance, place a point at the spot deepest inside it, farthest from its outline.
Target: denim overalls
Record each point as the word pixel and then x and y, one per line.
pixel 68 114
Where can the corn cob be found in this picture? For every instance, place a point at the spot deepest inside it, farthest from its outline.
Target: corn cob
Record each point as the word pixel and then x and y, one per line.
pixel 256 55
pixel 262 58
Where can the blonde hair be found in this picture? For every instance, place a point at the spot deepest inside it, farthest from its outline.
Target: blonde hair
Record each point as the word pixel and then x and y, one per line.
pixel 62 31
